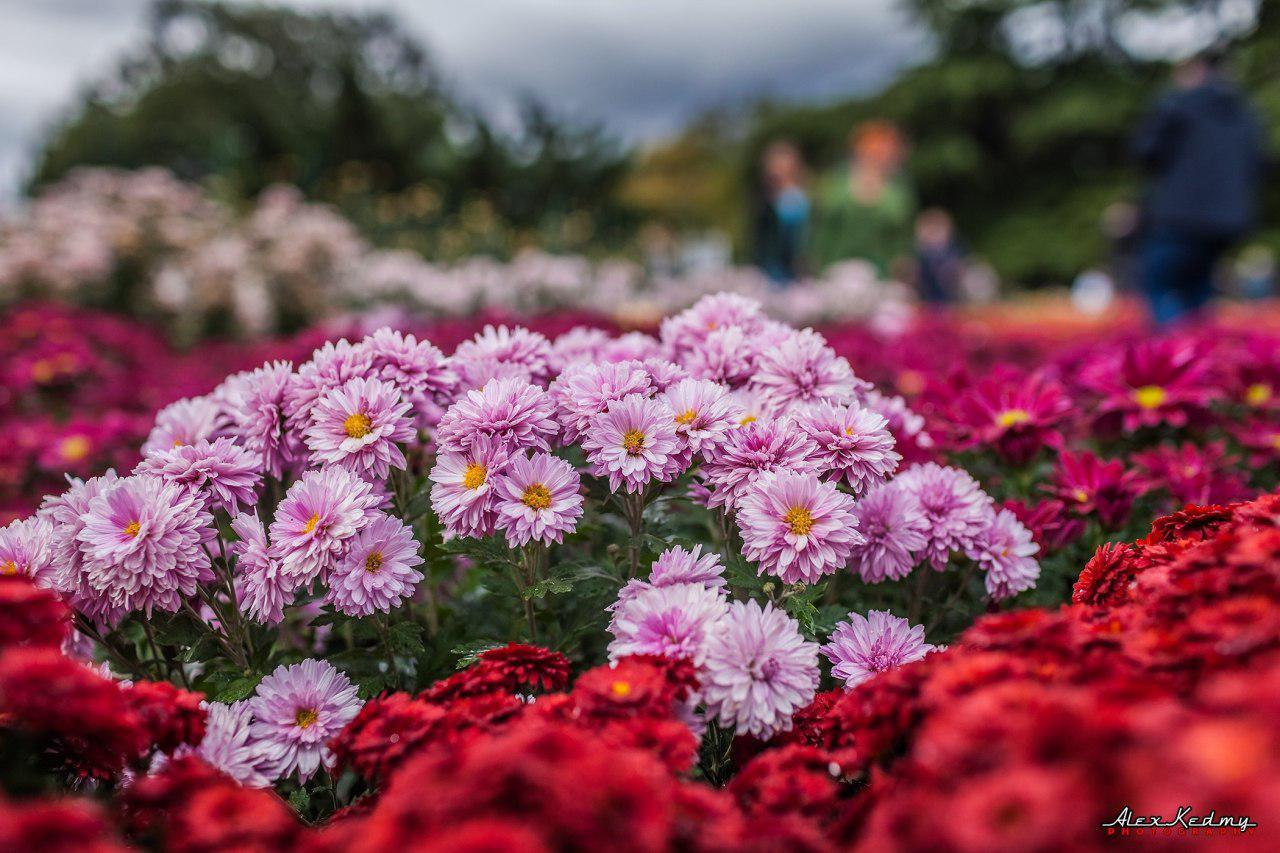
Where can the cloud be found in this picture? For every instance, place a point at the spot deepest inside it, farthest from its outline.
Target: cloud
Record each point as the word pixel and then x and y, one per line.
pixel 642 67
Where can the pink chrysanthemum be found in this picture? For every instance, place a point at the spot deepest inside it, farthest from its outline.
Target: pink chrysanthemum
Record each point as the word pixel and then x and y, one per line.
pixel 68 513
pixel 416 368
pixel 911 441
pixel 633 346
pixel 797 527
pixel 663 374
pixel 703 409
pixel 143 543
pixel 26 548
pixel 528 352
pixel 584 391
pixel 297 710
pixel 229 745
pixel 225 475
pixel 462 488
pixel 512 412
pixel 852 443
pixel 186 422
pixel 677 565
pixel 358 426
pixel 378 572
pixel 803 369
pixel 759 670
pixel 255 401
pixel 1006 551
pixel 634 442
pixel 262 590
pixel 331 366
pixel 1153 382
pixel 955 508
pixel 894 532
pixel 579 345
pixel 672 621
pixel 689 329
pixel 317 517
pixel 727 356
pixel 866 645
pixel 733 465
pixel 537 498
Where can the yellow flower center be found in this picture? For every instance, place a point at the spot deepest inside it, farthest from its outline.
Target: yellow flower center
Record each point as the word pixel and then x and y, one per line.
pixel 1081 496
pixel 1257 394
pixel 1012 417
pixel 537 497
pixel 633 441
pixel 9 568
pixel 311 523
pixel 1275 440
pixel 177 442
pixel 357 425
pixel 131 529
pixel 474 476
pixel 746 419
pixel 306 717
pixel 621 688
pixel 373 562
pixel 686 417
pixel 1150 396
pixel 800 520
pixel 74 448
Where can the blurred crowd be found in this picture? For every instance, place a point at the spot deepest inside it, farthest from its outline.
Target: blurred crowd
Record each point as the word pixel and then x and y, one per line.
pixel 1203 152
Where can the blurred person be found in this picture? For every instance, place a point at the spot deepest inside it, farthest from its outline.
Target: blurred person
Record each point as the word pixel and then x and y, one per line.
pixel 864 208
pixel 939 258
pixel 1202 147
pixel 782 213
pixel 1121 228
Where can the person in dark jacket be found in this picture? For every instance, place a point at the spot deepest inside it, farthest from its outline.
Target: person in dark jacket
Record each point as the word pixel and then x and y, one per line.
pixel 781 214
pixel 1202 147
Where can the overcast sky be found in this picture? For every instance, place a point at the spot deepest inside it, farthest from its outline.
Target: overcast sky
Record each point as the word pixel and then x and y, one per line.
pixel 640 66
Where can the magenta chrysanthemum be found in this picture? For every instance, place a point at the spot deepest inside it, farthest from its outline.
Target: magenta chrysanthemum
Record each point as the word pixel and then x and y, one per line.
pixel 703 410
pixel 297 710
pixel 512 412
pixel 26 548
pixel 894 532
pixel 537 499
pixel 759 670
pixel 677 565
pixel 143 543
pixel 1006 551
pixel 529 353
pixel 797 527
pixel 331 366
pixel 864 646
pixel 955 508
pixel 229 745
pixel 318 515
pixel 263 591
pixel 733 465
pixel 803 369
pixel 852 443
pixel 634 442
pixel 186 422
pixel 224 474
pixel 358 426
pixel 462 492
pixel 726 355
pixel 256 402
pixel 378 571
pixel 672 621
pixel 584 391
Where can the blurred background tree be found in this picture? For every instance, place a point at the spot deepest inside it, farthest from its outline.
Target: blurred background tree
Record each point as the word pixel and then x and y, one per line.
pixel 349 108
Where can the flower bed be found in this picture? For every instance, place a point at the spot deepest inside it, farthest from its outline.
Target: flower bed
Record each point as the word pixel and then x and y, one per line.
pixel 346 601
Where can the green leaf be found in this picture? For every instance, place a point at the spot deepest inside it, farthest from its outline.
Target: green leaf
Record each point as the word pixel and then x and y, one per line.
pixel 406 639
pixel 803 611
pixel 177 630
pixel 299 800
pixel 549 586
pixel 469 653
pixel 236 690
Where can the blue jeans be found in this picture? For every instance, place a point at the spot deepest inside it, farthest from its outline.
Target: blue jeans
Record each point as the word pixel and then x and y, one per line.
pixel 1177 272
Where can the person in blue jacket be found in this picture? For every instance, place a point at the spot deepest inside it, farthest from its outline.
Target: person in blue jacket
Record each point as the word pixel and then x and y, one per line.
pixel 1202 148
